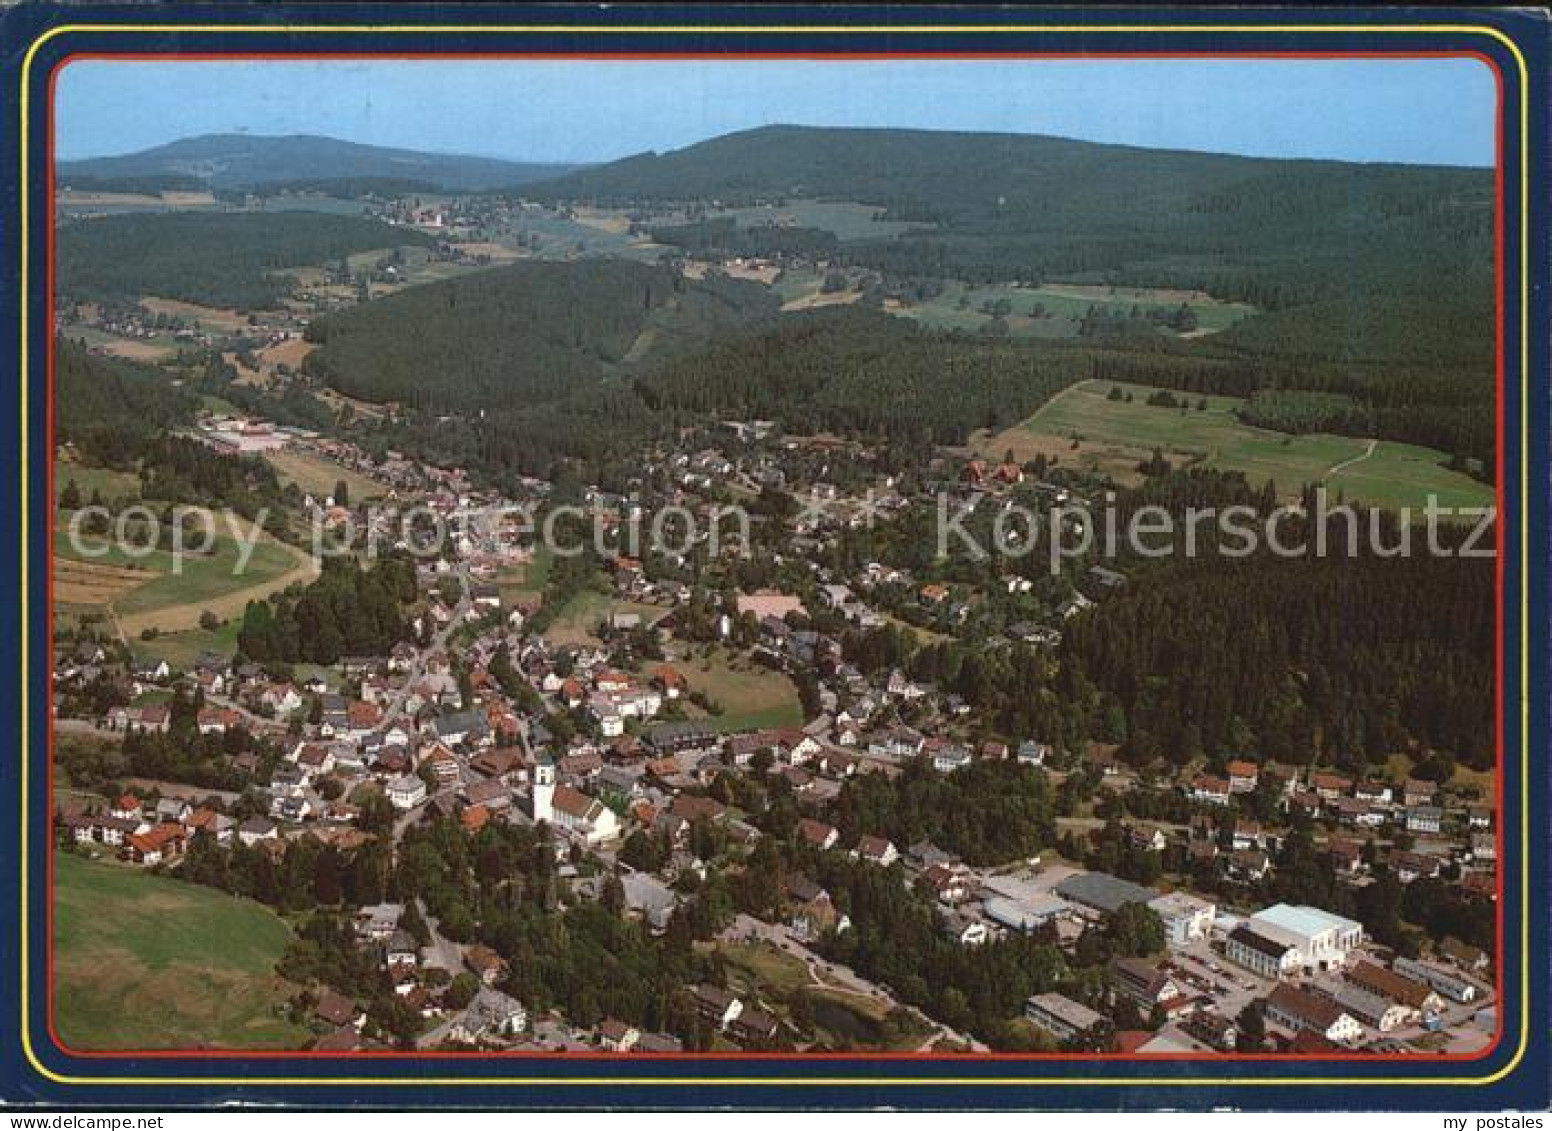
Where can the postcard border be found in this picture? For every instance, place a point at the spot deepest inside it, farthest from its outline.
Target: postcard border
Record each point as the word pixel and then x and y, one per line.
pixel 1523 560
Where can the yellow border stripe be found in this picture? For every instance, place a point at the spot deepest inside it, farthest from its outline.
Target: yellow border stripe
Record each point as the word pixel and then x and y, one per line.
pixel 812 1082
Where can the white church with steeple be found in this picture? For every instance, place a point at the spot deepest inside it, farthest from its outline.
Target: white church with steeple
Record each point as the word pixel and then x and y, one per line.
pixel 544 788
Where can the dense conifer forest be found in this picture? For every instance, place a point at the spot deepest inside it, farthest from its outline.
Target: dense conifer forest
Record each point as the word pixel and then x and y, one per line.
pixel 525 334
pixel 226 259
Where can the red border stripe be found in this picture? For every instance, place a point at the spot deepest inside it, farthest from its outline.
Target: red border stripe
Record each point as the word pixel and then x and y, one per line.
pixel 637 56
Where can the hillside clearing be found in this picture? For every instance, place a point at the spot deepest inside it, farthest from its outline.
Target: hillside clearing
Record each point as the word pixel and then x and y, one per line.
pixel 1057 310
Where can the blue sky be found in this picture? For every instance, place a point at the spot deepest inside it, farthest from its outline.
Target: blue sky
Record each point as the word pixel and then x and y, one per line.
pixel 1429 111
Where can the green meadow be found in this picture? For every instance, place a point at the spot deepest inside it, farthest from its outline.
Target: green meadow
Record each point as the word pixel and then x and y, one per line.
pixel 1083 427
pixel 142 961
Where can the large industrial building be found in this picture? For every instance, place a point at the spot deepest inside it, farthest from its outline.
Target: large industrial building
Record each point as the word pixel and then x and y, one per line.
pixel 1285 939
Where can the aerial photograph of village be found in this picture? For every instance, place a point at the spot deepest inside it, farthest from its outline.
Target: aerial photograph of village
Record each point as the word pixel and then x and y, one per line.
pixel 877 558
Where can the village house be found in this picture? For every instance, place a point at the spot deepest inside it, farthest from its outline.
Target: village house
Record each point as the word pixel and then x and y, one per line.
pixel 1424 819
pixel 717 1005
pixel 1210 790
pixel 811 909
pixel 156 846
pixel 406 792
pixel 488 966
pixel 256 830
pixel 616 1036
pixel 817 834
pixel 877 850
pixel 1148 986
pixel 1243 777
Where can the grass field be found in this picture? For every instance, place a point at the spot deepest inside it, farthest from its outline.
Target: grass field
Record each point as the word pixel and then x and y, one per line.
pixel 527 579
pixel 751 697
pixel 88 584
pixel 94 203
pixel 146 962
pixel 318 476
pixel 111 484
pixel 159 348
pixel 212 319
pixel 145 591
pixel 578 622
pixel 1082 427
pixel 1063 306
pixel 842 1017
pixel 182 649
pixel 848 219
pixel 772 969
pixel 1484 782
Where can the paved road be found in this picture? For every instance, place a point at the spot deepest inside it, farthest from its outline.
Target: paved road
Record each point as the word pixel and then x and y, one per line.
pixel 442 951
pixel 438 642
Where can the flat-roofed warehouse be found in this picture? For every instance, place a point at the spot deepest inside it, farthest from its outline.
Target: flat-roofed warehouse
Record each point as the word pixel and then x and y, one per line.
pixel 1322 939
pixel 1103 893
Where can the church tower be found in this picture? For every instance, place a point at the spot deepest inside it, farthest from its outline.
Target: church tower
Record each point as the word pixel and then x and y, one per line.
pixel 544 788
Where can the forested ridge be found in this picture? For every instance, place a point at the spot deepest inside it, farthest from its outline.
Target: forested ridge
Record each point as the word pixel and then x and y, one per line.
pixel 1278 234
pixel 860 371
pixel 215 258
pixel 1340 657
pixel 107 406
pixel 1348 659
pixel 348 610
pixel 524 334
pixel 1347 263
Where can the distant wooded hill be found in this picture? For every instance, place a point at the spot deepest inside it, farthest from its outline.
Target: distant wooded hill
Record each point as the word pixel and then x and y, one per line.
pixel 1347 258
pixel 248 161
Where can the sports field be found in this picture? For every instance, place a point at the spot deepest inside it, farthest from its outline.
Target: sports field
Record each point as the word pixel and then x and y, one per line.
pixel 147 962
pixel 1082 427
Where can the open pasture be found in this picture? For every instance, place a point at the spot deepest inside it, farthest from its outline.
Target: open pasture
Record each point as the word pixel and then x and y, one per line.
pixel 147 962
pixel 1057 310
pixel 1082 427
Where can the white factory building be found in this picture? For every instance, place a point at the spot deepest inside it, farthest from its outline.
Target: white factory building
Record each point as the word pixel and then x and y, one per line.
pixel 1310 939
